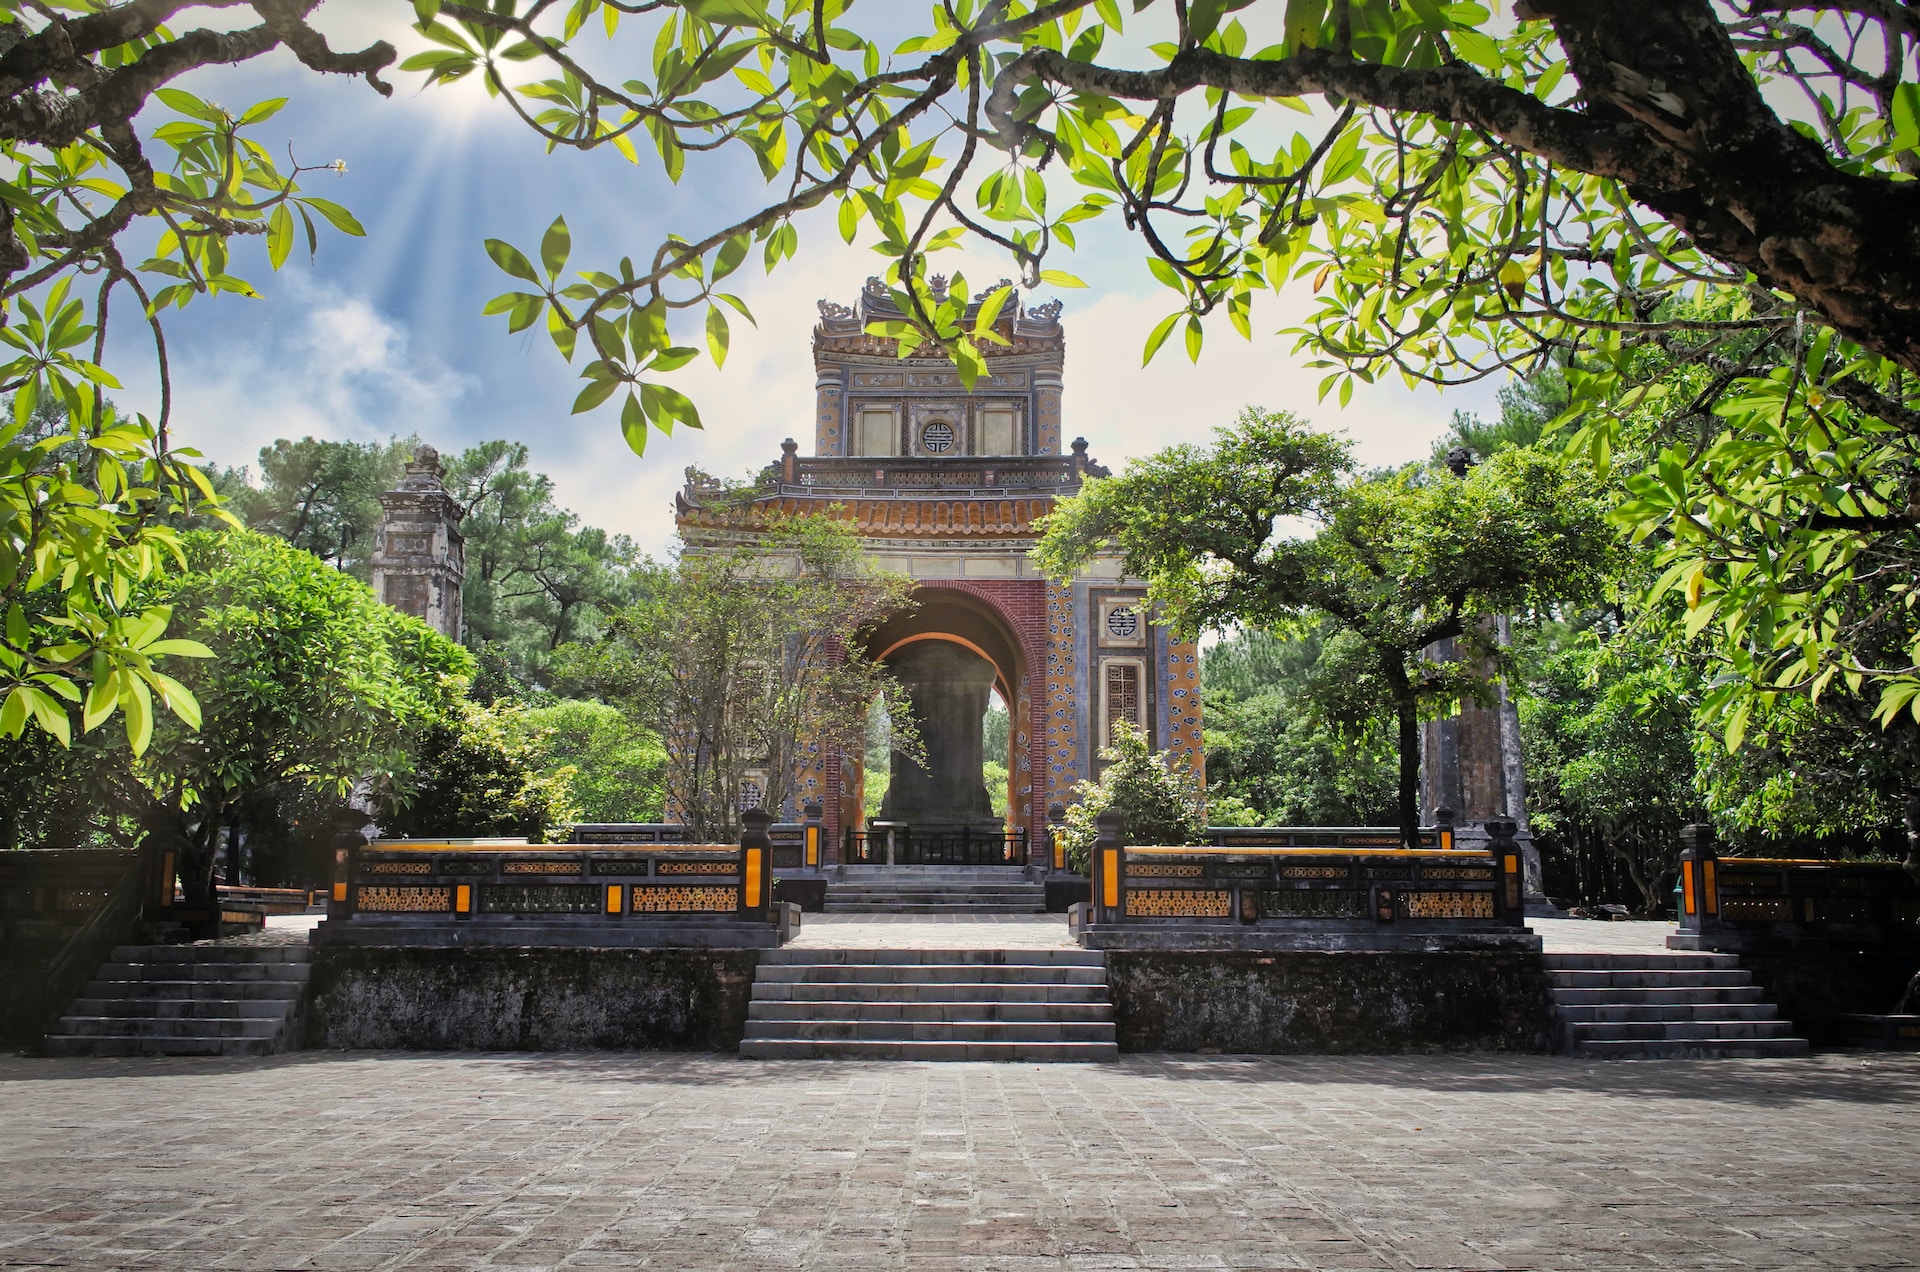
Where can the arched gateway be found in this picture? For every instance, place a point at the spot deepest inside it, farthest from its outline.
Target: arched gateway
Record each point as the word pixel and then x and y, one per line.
pixel 945 485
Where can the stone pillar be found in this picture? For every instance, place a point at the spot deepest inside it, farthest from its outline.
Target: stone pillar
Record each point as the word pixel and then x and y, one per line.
pixel 1046 405
pixel 419 562
pixel 948 686
pixel 829 393
pixel 1472 762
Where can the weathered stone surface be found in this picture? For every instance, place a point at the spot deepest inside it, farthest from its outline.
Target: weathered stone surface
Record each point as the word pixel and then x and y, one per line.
pixel 694 1163
pixel 1816 983
pixel 530 1000
pixel 1234 1001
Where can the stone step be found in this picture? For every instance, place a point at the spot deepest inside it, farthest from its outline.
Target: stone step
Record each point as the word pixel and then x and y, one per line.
pixel 848 1049
pixel 1636 978
pixel 1638 962
pixel 127 1045
pixel 1647 1049
pixel 930 973
pixel 1615 995
pixel 187 1000
pixel 933 1004
pixel 211 954
pixel 827 1029
pixel 1581 1013
pixel 279 991
pixel 168 1027
pixel 1062 957
pixel 183 1008
pixel 946 991
pixel 1664 1006
pixel 934 1010
pixel 216 970
pixel 1678 1030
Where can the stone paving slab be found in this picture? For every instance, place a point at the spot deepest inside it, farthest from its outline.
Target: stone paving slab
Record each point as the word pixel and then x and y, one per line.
pixel 419 1162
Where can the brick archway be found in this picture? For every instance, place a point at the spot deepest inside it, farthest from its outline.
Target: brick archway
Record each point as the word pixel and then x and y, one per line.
pixel 1005 623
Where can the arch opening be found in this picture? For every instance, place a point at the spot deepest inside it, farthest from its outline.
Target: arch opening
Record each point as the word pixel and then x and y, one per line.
pixel 959 661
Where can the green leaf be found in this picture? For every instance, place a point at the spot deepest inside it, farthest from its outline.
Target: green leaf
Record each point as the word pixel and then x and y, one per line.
pixel 718 335
pixel 1159 335
pixel 508 258
pixel 664 405
pixel 279 236
pixel 731 253
pixel 261 111
pixel 554 247
pixel 1060 278
pixel 138 703
pixel 633 425
pixel 598 391
pixel 338 217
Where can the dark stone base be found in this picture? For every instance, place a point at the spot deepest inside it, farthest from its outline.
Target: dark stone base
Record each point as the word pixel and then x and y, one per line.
pixel 808 891
pixel 1881 1033
pixel 555 932
pixel 528 999
pixel 1817 984
pixel 1063 891
pixel 1316 1003
pixel 1360 937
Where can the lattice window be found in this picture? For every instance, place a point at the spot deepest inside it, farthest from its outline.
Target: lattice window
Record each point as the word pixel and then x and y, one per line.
pixel 999 431
pixel 1124 699
pixel 752 794
pixel 876 432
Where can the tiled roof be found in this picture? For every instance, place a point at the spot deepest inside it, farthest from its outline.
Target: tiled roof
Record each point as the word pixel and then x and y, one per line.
pixel 934 518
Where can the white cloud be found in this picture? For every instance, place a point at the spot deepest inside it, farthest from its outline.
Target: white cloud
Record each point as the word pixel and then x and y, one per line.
pixel 331 366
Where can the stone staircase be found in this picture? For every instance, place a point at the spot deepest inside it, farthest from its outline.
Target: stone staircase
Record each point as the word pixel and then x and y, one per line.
pixel 933 890
pixel 188 1000
pixel 1664 1006
pixel 1044 1004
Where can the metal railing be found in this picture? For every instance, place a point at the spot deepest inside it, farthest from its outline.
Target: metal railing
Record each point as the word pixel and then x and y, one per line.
pixel 434 880
pixel 1293 885
pixel 907 846
pixel 1736 901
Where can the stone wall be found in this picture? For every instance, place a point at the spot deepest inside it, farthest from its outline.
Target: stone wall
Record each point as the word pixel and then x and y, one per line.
pixel 1330 1003
pixel 1814 983
pixel 529 1000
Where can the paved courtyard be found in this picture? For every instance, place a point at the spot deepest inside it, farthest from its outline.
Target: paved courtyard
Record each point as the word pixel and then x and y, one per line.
pixel 683 1162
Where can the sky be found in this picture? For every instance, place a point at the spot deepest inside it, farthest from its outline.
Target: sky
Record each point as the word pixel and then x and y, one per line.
pixel 384 335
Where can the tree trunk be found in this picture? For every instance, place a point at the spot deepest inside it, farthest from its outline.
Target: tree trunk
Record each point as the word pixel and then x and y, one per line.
pixel 1407 716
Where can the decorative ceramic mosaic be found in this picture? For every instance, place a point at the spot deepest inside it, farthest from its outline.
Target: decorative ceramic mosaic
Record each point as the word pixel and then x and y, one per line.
pixel 1313 872
pixel 1446 905
pixel 1317 903
pixel 404 900
pixel 533 898
pixel 541 868
pixel 1202 903
pixel 1163 870
pixel 649 899
pixel 698 867
pixel 396 867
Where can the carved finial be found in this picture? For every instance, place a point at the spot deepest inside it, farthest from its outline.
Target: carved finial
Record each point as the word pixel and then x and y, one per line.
pixel 1459 461
pixel 938 286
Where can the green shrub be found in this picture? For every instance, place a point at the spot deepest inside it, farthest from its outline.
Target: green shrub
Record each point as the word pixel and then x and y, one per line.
pixel 477 774
pixel 1158 799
